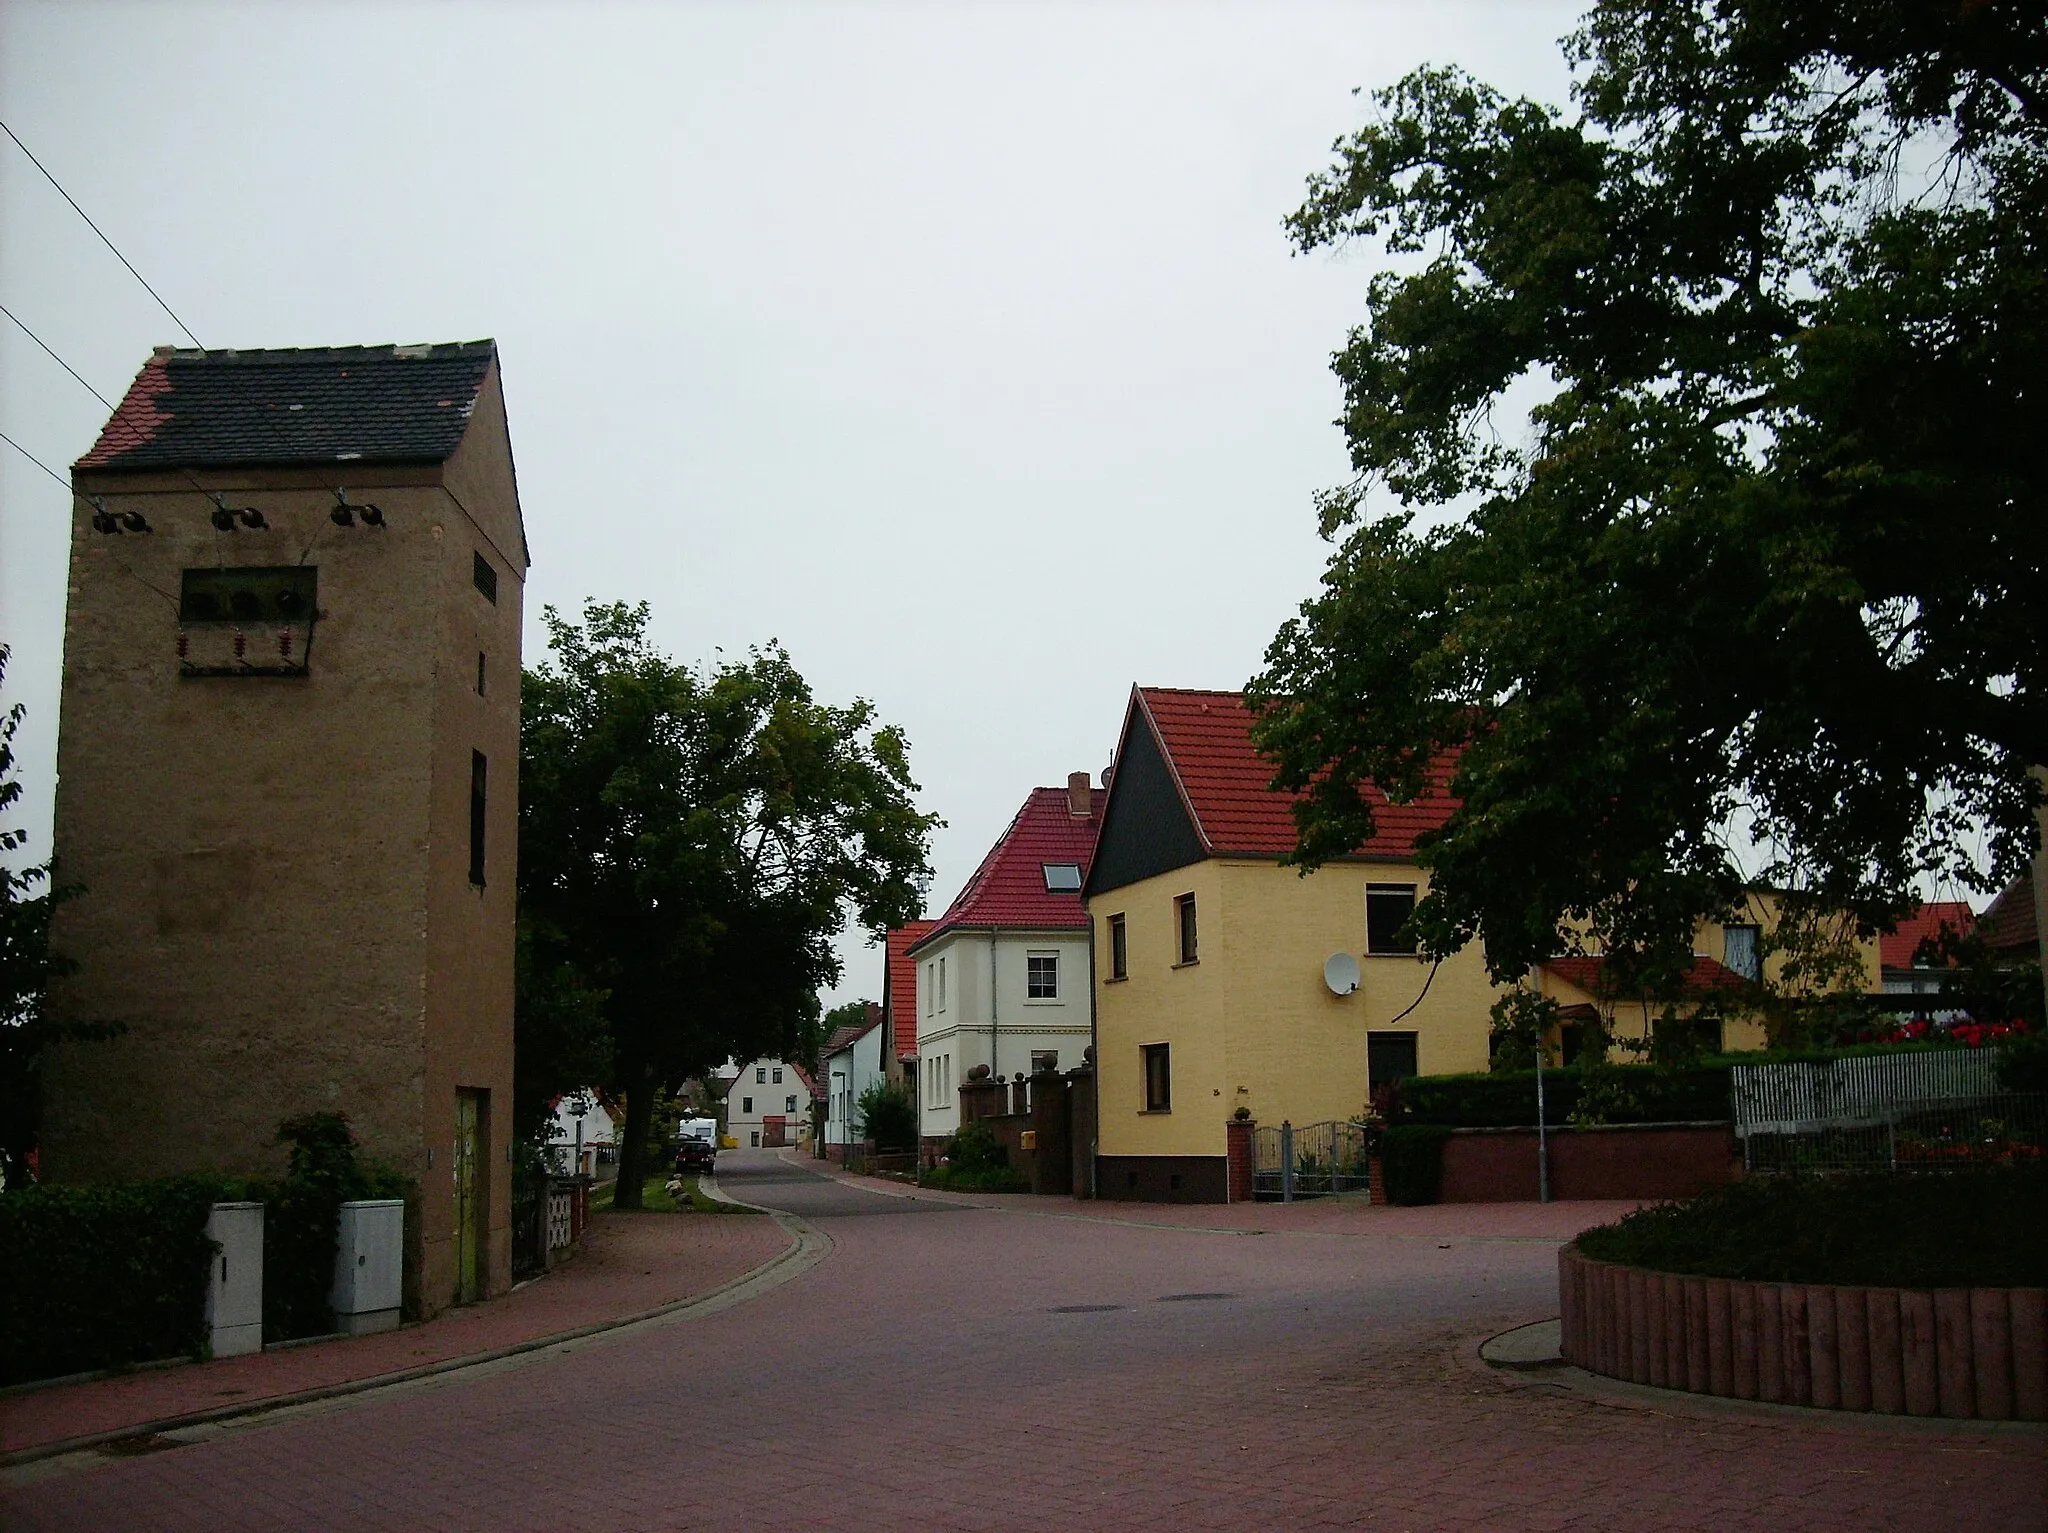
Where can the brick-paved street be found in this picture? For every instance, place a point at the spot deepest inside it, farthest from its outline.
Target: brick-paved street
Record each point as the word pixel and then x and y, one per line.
pixel 924 1375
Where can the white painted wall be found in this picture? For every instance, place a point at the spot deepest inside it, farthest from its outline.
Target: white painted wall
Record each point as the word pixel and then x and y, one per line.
pixel 954 1037
pixel 598 1129
pixel 756 1093
pixel 848 1073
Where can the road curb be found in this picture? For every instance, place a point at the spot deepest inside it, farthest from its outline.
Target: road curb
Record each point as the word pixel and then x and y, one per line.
pixel 808 1246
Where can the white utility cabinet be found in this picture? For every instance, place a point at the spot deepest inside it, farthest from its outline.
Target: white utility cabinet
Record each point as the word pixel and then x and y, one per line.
pixel 234 1289
pixel 369 1266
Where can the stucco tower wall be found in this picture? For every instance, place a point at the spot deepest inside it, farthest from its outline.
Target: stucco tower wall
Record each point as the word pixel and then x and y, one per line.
pixel 251 850
pixel 469 959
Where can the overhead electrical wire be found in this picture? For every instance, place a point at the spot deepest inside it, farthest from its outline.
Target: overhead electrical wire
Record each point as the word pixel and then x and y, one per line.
pixel 38 462
pixel 24 148
pixel 24 329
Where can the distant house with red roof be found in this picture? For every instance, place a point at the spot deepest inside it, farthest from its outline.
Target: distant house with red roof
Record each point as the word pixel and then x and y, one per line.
pixel 769 1104
pixel 899 998
pixel 853 1058
pixel 1001 979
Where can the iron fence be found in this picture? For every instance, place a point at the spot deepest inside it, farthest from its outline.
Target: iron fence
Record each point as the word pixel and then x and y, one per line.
pixel 529 1226
pixel 1860 1091
pixel 1316 1160
pixel 1995 1129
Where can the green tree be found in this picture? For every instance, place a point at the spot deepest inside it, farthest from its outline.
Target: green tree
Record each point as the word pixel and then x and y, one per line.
pixel 28 967
pixel 561 1039
pixel 1767 565
pixel 887 1113
pixel 694 838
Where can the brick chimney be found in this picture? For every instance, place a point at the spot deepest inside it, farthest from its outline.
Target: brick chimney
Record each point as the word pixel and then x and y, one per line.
pixel 1080 803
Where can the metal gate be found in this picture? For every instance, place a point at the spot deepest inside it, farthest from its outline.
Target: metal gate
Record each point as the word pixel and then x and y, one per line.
pixel 1317 1160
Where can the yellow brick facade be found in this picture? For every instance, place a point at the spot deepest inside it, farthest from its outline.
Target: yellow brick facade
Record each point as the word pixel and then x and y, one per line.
pixel 1252 1023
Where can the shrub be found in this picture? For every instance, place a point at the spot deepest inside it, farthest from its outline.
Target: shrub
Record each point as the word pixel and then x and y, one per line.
pixel 301 1219
pixel 887 1114
pixel 1412 1158
pixel 102 1277
pixel 2023 1062
pixel 1508 1099
pixel 1964 1229
pixel 976 1148
pixel 986 1179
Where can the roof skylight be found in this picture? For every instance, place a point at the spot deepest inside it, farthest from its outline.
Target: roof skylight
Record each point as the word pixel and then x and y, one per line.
pixel 1062 877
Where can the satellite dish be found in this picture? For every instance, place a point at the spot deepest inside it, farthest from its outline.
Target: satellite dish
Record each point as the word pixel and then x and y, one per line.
pixel 1340 973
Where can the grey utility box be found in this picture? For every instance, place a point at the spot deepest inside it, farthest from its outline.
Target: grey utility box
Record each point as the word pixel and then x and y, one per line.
pixel 234 1288
pixel 369 1266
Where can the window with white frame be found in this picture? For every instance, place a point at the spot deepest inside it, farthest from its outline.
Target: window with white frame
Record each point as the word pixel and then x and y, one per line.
pixel 789 1104
pixel 942 984
pixel 778 1075
pixel 1041 976
pixel 760 1075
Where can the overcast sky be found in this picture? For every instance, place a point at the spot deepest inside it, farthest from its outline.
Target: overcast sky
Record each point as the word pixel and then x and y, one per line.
pixel 956 346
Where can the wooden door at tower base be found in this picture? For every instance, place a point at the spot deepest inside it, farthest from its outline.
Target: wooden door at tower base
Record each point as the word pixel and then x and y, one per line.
pixel 468 1197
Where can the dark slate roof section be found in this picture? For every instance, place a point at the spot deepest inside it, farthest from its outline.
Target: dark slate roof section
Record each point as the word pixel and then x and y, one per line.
pixel 341 404
pixel 1146 828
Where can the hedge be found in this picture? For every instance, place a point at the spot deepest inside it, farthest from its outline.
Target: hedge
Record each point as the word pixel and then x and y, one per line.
pixel 1981 1229
pixel 103 1277
pixel 1412 1160
pixel 1697 1094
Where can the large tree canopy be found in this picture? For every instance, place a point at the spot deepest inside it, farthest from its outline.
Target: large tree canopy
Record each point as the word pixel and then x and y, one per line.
pixel 1764 580
pixel 691 842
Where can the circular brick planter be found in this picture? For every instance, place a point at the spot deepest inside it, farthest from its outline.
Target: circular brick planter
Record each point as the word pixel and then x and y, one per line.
pixel 1962 1352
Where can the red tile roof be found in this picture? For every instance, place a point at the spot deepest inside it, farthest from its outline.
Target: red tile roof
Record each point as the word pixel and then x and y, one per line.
pixel 900 991
pixel 1008 889
pixel 1207 739
pixel 1706 974
pixel 2011 926
pixel 1895 949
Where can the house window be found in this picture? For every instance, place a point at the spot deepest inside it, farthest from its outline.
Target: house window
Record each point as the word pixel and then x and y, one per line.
pixel 754 1139
pixel 1387 909
pixel 479 771
pixel 1041 976
pixel 1158 1078
pixel 1739 950
pixel 486 578
pixel 1061 877
pixel 747 1105
pixel 789 1104
pixel 1389 1057
pixel 942 984
pixel 1119 950
pixel 778 1075
pixel 479 673
pixel 1184 912
pixel 760 1075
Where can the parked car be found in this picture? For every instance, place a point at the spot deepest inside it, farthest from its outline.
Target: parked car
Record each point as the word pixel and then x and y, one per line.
pixel 694 1154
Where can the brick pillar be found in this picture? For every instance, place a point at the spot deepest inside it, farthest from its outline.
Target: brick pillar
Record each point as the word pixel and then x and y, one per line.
pixel 1238 1140
pixel 1376 1180
pixel 1052 1170
pixel 982 1099
pixel 1081 1128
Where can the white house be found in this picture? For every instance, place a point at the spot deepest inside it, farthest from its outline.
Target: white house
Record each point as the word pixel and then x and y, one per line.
pixel 597 1133
pixel 855 1058
pixel 768 1103
pixel 1003 977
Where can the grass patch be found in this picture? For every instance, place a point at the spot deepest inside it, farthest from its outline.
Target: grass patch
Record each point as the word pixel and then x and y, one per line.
pixel 1954 1230
pixel 655 1199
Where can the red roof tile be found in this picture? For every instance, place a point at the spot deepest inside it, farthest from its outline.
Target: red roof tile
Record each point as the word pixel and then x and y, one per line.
pixel 1008 889
pixel 1895 949
pixel 900 991
pixel 1207 739
pixel 2010 926
pixel 1706 974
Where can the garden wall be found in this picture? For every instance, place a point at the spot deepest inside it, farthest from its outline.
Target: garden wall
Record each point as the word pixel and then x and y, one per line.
pixel 1959 1352
pixel 1634 1160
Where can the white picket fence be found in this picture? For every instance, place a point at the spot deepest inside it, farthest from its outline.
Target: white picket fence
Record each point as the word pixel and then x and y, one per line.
pixel 1871 1089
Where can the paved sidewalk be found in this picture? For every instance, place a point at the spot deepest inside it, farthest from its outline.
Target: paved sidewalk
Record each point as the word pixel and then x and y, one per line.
pixel 629 1264
pixel 1554 1222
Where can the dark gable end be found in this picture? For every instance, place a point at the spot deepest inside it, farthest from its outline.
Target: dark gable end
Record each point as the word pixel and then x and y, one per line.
pixel 1146 828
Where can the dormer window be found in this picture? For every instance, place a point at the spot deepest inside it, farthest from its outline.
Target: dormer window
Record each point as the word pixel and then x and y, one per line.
pixel 1062 877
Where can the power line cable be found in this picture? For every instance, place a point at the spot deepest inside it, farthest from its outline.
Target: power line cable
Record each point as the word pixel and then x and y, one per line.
pixel 38 462
pixel 24 148
pixel 24 329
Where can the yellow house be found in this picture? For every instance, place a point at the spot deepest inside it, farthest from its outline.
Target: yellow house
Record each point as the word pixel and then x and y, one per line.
pixel 1225 979
pixel 1221 976
pixel 1728 957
